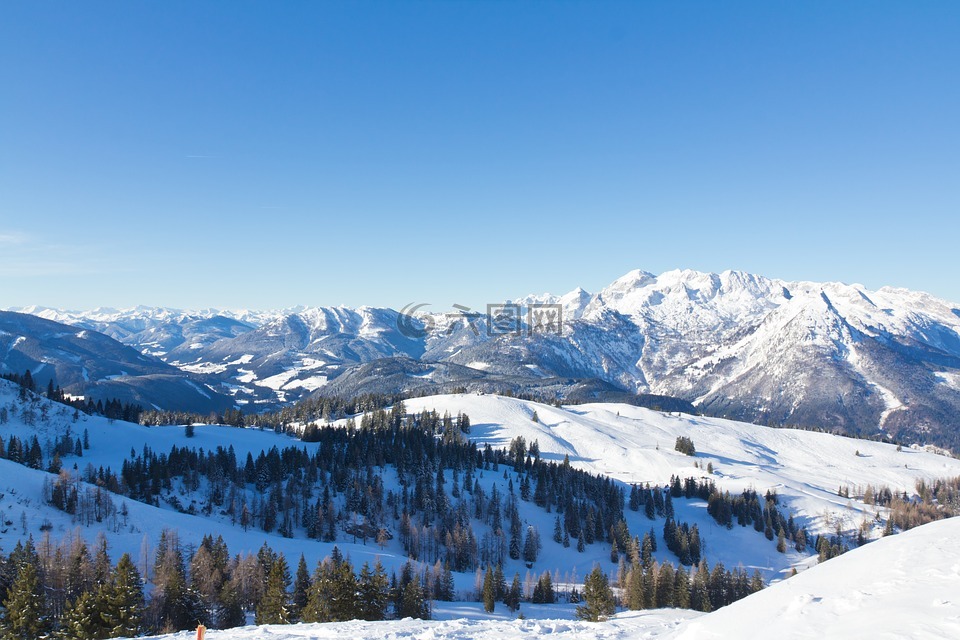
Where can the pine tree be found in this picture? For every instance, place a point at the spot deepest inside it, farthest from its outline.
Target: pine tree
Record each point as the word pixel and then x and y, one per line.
pixel 374 592
pixel 343 592
pixel 25 607
pixel 123 612
pixel 318 601
pixel 635 597
pixel 230 611
pixel 301 589
pixel 274 607
pixel 499 583
pixel 489 594
pixel 543 591
pixel 531 545
pixel 597 596
pixel 82 619
pixel 665 579
pixel 512 599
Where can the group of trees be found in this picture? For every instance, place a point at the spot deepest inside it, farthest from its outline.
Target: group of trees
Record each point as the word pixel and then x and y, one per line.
pixel 644 583
pixel 450 504
pixel 685 446
pixel 68 591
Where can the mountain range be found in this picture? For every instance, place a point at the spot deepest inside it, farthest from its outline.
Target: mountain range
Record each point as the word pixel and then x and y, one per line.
pixel 824 355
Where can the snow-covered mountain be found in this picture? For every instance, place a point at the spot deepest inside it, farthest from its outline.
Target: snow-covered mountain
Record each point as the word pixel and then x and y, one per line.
pixel 84 362
pixel 831 355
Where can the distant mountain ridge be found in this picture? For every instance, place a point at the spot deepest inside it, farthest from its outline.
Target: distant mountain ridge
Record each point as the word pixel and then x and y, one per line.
pixel 826 355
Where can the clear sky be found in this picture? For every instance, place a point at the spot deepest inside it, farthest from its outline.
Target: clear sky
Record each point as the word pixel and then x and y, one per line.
pixel 267 154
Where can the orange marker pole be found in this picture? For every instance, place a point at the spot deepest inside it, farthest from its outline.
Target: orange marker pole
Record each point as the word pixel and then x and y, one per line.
pixel 201 631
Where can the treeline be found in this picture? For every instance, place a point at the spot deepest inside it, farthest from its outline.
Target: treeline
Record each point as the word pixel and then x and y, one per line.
pixel 70 591
pixel 113 409
pixel 310 410
pixel 933 501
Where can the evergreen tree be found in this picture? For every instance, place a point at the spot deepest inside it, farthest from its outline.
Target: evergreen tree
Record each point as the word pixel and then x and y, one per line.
pixel 25 615
pixel 499 583
pixel 414 604
pixel 343 591
pixel 489 594
pixel 301 589
pixel 636 598
pixel 512 599
pixel 374 592
pixel 274 607
pixel 82 620
pixel 123 611
pixel 665 584
pixel 543 591
pixel 230 611
pixel 598 603
pixel 318 601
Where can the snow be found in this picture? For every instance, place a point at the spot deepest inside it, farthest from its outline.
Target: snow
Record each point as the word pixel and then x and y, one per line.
pixel 905 586
pixel 950 379
pixel 637 625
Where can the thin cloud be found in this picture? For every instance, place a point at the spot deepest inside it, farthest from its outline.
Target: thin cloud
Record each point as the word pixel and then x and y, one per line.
pixel 13 237
pixel 24 256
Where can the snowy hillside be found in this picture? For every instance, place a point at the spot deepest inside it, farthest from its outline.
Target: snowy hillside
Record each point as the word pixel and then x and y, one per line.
pixel 636 445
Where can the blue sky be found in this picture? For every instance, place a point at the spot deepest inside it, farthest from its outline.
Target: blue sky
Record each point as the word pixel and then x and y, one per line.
pixel 260 155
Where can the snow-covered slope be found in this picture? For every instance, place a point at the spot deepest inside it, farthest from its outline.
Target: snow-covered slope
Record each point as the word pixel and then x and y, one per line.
pixel 636 445
pixel 87 363
pixel 902 587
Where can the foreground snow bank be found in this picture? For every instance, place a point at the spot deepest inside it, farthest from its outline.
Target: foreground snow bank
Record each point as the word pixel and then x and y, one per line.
pixel 633 625
pixel 904 586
